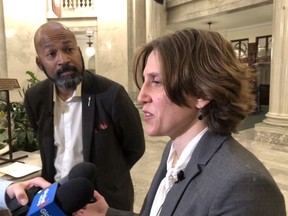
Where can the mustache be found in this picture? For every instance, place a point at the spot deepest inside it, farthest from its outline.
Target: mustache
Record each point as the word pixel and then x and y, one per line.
pixel 65 68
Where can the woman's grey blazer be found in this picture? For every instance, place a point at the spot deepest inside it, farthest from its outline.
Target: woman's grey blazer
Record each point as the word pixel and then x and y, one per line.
pixel 221 178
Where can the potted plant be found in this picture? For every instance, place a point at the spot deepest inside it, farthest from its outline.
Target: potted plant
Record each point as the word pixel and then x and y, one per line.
pixel 23 137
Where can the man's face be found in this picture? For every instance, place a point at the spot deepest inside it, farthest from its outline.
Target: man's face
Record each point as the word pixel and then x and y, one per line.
pixel 60 58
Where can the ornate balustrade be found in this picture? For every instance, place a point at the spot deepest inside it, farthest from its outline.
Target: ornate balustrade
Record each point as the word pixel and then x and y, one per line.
pixel 72 8
pixel 72 4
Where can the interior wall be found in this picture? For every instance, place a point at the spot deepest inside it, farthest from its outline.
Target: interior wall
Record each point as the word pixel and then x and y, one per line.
pixel 21 19
pixel 250 32
pixel 112 37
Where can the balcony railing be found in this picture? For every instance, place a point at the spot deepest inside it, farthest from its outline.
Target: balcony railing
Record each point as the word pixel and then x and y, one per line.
pixel 72 8
pixel 72 4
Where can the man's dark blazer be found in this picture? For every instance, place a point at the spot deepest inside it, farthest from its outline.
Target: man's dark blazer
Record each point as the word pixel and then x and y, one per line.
pixel 221 178
pixel 114 148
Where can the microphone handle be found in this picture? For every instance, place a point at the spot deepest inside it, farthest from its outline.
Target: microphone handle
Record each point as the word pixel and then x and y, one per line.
pixel 21 211
pixel 16 208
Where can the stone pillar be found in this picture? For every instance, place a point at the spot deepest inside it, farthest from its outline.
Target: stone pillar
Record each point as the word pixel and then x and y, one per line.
pixel 148 19
pixel 3 59
pixel 156 19
pixel 274 128
pixel 136 38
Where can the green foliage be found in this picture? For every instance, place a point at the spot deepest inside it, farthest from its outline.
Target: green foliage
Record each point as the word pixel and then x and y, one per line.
pixel 32 80
pixel 23 136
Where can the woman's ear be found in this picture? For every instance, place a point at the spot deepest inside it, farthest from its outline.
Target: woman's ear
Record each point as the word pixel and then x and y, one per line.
pixel 39 63
pixel 201 103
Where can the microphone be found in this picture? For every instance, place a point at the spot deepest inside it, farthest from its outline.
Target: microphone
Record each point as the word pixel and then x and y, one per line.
pixel 85 169
pixel 62 200
pixel 180 176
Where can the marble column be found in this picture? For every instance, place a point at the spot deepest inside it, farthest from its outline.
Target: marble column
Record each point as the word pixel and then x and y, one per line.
pixel 274 128
pixel 149 22
pixel 136 38
pixel 3 59
pixel 156 20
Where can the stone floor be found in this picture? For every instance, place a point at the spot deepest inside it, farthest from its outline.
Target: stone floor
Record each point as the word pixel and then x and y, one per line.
pixel 275 159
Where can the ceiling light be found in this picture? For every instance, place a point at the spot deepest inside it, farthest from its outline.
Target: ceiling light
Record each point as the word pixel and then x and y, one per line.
pixel 90 51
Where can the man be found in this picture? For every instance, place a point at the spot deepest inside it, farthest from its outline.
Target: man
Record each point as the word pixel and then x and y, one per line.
pixel 79 116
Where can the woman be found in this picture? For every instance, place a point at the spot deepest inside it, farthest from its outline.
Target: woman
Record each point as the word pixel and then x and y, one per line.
pixel 194 90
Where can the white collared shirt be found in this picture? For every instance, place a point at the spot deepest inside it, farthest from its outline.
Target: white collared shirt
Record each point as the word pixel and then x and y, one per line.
pixel 172 171
pixel 67 133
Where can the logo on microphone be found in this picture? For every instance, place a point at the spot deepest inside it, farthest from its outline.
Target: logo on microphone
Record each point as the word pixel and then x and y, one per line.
pixel 44 212
pixel 43 199
pixel 44 203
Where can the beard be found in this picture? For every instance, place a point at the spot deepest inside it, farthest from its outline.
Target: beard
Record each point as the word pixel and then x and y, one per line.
pixel 69 81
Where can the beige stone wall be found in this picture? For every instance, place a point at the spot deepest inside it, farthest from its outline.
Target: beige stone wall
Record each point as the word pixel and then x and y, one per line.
pixel 21 19
pixel 182 12
pixel 111 42
pixel 120 26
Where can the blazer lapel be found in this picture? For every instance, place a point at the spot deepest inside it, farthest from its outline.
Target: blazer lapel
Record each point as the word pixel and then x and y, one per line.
pixel 204 151
pixel 88 112
pixel 160 174
pixel 175 193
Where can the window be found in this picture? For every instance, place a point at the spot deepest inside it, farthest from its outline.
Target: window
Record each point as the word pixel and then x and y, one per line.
pixel 241 48
pixel 263 52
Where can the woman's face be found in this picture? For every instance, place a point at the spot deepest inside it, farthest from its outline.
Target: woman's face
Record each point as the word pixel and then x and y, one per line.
pixel 161 115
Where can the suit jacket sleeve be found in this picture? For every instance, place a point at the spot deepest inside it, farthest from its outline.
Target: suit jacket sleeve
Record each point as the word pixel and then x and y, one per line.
pixel 29 113
pixel 3 186
pixel 116 212
pixel 249 195
pixel 128 127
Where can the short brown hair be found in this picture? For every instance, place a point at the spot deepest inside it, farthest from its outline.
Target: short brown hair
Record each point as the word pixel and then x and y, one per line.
pixel 203 64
